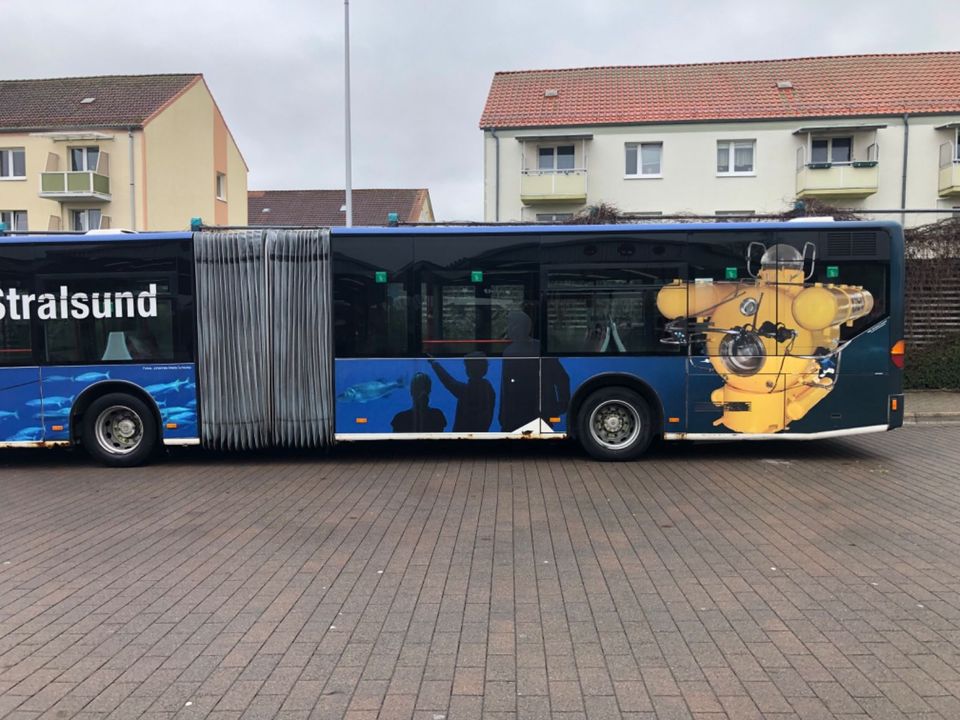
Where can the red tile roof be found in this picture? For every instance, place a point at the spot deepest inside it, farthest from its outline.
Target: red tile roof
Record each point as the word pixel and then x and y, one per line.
pixel 118 100
pixel 840 86
pixel 322 207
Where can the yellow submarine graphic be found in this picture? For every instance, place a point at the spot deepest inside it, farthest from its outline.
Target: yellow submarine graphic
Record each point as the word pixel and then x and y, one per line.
pixel 774 339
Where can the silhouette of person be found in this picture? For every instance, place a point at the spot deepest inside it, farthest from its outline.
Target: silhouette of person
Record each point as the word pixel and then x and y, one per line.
pixel 421 417
pixel 523 372
pixel 475 398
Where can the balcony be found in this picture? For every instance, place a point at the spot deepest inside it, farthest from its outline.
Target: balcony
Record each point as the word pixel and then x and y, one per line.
pixel 948 183
pixel 553 186
pixel 75 185
pixel 856 179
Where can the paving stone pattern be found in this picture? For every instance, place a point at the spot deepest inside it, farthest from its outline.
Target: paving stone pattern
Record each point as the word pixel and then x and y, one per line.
pixel 459 581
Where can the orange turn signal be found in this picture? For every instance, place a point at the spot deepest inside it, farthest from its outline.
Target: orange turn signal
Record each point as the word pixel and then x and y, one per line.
pixel 897 353
pixel 361 421
pixel 893 404
pixel 171 426
pixel 57 428
pixel 674 420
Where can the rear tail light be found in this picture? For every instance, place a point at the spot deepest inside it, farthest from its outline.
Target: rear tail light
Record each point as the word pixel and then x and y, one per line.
pixel 897 353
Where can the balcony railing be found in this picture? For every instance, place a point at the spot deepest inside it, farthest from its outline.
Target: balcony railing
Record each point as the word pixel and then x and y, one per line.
pixel 948 182
pixel 854 179
pixel 74 185
pixel 553 186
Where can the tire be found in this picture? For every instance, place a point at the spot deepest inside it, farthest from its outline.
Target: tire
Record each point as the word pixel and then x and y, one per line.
pixel 119 430
pixel 615 423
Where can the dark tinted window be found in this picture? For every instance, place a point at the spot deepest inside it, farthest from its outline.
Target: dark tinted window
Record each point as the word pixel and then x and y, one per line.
pixel 16 277
pixel 477 293
pixel 607 310
pixel 115 302
pixel 372 296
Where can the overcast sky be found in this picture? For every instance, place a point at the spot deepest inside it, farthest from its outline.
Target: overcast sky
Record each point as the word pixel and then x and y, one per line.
pixel 421 68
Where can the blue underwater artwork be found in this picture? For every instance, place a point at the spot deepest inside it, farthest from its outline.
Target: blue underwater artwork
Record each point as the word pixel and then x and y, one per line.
pixel 36 402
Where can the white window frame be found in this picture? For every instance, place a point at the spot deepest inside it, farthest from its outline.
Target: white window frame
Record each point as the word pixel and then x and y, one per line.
pixel 554 218
pixel 640 175
pixel 85 149
pixel 554 148
pixel 85 213
pixel 10 218
pixel 221 186
pixel 732 215
pixel 829 140
pixel 956 144
pixel 10 151
pixel 731 149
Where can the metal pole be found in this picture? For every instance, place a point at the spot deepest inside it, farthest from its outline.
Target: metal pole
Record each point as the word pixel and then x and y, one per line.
pixel 346 70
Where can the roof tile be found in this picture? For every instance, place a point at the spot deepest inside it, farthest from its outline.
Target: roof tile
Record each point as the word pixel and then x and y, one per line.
pixel 322 207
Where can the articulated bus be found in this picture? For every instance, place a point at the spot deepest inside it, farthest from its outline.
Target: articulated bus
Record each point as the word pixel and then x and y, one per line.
pixel 613 335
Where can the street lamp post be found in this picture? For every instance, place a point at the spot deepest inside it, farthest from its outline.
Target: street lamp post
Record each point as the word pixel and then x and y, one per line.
pixel 346 69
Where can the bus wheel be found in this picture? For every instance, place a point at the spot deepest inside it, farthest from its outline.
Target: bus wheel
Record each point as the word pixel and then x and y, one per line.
pixel 119 430
pixel 614 424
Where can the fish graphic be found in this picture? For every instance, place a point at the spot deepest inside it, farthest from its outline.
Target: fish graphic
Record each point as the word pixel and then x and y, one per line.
pixel 92 376
pixel 57 378
pixel 27 434
pixel 368 391
pixel 4 414
pixel 163 388
pixel 187 417
pixel 58 413
pixel 177 410
pixel 192 403
pixel 53 401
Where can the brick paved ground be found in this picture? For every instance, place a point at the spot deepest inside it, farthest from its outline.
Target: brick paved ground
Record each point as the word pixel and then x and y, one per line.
pixel 503 581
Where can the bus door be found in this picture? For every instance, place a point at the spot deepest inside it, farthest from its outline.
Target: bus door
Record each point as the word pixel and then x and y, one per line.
pixel 479 332
pixel 734 370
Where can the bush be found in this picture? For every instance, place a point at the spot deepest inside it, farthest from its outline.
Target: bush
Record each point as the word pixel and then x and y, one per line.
pixel 936 367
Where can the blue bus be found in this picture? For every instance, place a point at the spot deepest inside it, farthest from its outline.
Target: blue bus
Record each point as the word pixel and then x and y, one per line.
pixel 613 335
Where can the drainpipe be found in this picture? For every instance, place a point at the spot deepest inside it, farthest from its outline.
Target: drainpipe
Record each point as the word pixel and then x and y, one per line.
pixel 906 155
pixel 496 181
pixel 133 184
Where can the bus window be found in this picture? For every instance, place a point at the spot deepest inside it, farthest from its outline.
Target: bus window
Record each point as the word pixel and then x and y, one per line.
pixel 606 310
pixel 111 319
pixel 371 296
pixel 15 338
pixel 478 294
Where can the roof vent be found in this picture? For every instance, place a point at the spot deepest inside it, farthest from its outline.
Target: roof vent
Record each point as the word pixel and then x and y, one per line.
pixel 265 210
pixel 784 85
pixel 553 92
pixel 87 100
pixel 343 208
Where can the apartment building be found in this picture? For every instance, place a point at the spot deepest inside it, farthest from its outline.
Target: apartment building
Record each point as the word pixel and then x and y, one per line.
pixel 867 132
pixel 140 152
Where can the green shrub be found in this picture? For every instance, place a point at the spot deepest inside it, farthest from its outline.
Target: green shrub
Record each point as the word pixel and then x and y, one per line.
pixel 935 367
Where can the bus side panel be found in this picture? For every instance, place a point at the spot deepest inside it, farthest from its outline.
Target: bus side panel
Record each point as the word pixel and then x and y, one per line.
pixel 863 386
pixel 20 416
pixel 173 388
pixel 666 376
pixel 376 396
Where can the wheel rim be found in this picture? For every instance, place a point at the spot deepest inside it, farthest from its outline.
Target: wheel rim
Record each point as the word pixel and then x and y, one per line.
pixel 119 430
pixel 615 424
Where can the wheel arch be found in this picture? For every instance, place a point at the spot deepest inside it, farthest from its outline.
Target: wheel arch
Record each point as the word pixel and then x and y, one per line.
pixel 615 380
pixel 104 387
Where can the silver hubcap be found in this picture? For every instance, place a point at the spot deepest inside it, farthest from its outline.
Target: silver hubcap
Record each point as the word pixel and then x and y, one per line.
pixel 119 430
pixel 615 424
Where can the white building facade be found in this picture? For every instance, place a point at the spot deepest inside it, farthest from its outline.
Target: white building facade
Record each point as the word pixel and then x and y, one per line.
pixel 541 169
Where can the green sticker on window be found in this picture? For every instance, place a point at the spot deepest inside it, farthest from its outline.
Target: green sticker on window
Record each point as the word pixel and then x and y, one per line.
pixel 833 271
pixel 380 276
pixel 476 276
pixel 730 273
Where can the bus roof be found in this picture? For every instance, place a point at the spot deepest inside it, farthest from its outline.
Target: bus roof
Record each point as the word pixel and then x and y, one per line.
pixel 619 227
pixel 490 230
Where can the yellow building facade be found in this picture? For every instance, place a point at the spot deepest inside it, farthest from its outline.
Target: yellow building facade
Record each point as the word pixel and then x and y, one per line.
pixel 122 152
